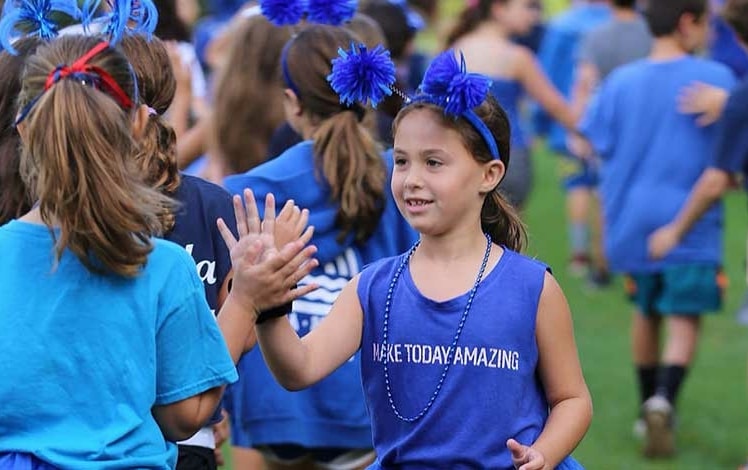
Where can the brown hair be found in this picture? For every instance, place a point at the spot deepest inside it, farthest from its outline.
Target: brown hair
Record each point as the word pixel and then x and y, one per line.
pixel 470 18
pixel 14 196
pixel 249 94
pixel 663 16
pixel 77 159
pixel 498 218
pixel 735 14
pixel 157 152
pixel 346 154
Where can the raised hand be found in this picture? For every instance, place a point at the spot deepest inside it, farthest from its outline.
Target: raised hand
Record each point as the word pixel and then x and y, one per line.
pixel 290 223
pixel 525 457
pixel 264 275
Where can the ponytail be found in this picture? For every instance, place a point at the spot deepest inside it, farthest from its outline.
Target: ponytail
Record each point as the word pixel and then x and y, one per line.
pixel 469 19
pixel 351 163
pixel 78 159
pixel 500 220
pixel 156 159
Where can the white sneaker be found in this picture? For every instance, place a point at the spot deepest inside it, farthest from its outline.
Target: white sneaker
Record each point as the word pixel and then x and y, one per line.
pixel 660 438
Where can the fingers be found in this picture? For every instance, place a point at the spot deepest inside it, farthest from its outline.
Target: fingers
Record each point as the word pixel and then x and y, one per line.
pixel 253 217
pixel 288 211
pixel 303 221
pixel 268 222
pixel 518 450
pixel 228 237
pixel 241 217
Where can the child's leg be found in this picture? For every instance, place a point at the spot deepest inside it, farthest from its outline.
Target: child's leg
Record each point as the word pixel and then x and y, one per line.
pixel 249 459
pixel 645 350
pixel 680 348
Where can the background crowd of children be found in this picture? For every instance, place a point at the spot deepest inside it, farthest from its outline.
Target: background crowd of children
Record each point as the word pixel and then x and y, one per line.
pixel 120 149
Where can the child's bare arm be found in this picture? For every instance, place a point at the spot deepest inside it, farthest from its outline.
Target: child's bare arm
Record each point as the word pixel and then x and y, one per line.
pixel 707 101
pixel 540 88
pixel 298 363
pixel 561 374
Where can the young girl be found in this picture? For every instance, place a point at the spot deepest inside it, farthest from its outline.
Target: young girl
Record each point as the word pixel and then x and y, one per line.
pixel 115 352
pixel 192 225
pixel 483 34
pixel 340 175
pixel 468 354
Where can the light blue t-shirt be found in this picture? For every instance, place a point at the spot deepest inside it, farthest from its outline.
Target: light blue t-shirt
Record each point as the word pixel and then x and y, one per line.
pixel 652 157
pixel 85 357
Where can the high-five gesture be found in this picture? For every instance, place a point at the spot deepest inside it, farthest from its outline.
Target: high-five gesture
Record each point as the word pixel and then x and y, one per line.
pixel 265 275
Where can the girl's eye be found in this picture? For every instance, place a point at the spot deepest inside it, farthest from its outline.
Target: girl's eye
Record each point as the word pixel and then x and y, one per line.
pixel 399 161
pixel 431 162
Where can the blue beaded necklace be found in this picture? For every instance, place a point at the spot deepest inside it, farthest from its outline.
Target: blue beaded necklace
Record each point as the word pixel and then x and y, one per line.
pixel 448 361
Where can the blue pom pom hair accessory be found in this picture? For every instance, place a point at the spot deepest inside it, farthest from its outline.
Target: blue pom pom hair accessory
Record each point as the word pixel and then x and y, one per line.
pixel 448 85
pixel 33 18
pixel 363 76
pixel 291 12
pixel 119 18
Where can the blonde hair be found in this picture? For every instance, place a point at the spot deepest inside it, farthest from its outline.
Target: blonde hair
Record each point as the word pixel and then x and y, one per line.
pixel 78 156
pixel 157 153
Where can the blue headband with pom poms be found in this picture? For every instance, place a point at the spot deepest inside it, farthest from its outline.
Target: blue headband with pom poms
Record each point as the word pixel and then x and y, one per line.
pixel 290 12
pixel 33 18
pixel 360 75
pixel 450 86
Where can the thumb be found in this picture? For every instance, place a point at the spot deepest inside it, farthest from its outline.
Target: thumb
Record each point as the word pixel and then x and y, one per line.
pixel 517 449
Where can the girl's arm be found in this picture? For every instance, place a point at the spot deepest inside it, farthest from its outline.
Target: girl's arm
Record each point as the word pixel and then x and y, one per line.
pixel 537 85
pixel 566 391
pixel 297 362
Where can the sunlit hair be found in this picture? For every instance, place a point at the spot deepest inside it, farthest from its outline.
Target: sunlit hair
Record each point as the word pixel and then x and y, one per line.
pixel 157 153
pixel 347 156
pixel 15 199
pixel 78 160
pixel 470 18
pixel 498 217
pixel 249 94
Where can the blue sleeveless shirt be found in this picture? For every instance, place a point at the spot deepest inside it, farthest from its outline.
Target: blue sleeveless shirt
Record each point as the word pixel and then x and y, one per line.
pixel 508 93
pixel 490 394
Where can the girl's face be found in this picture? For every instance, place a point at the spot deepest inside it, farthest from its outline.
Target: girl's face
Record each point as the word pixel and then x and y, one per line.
pixel 518 16
pixel 436 182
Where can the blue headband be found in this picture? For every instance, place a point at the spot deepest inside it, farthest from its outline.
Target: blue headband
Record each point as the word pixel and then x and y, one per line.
pixel 284 68
pixel 448 85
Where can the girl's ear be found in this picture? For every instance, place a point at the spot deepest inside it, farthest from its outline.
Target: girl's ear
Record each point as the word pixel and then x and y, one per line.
pixel 139 121
pixel 292 103
pixel 21 128
pixel 493 173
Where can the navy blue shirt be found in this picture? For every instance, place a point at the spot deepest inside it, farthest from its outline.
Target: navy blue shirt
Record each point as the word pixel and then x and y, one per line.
pixel 731 148
pixel 202 203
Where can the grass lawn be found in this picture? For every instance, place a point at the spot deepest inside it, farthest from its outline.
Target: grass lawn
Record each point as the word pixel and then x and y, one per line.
pixel 713 410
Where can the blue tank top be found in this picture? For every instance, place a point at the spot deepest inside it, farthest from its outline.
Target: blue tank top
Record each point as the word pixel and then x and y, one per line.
pixel 492 381
pixel 508 93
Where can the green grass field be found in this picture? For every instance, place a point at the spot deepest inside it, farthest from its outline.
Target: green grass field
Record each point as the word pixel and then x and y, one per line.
pixel 713 408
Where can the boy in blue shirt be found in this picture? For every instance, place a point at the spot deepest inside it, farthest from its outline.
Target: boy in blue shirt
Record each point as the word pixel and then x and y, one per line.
pixel 652 157
pixel 731 150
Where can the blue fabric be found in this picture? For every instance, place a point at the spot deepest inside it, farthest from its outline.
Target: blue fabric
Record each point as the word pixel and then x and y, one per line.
pixel 22 461
pixel 201 205
pixel 726 49
pixel 196 167
pixel 558 56
pixel 508 93
pixel 731 149
pixel 493 381
pixel 332 412
pixel 86 357
pixel 651 152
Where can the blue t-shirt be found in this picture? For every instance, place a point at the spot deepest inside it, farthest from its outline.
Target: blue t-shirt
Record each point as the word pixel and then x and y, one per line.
pixel 559 55
pixel 492 382
pixel 652 156
pixel 332 412
pixel 86 357
pixel 731 150
pixel 201 205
